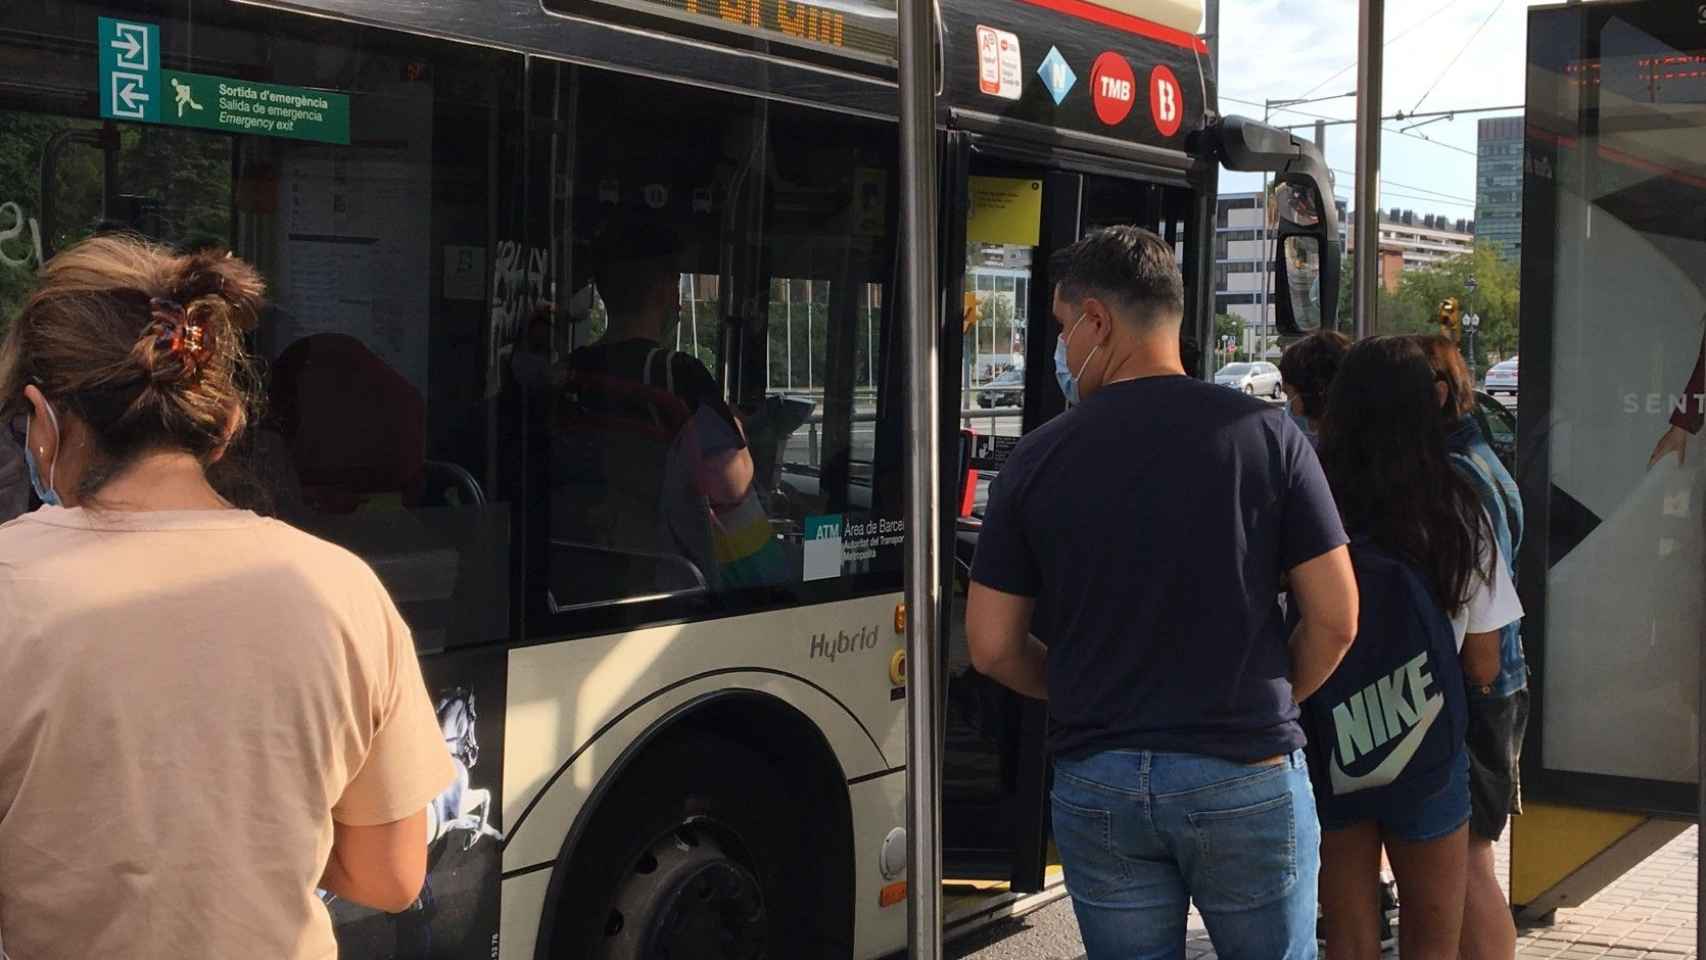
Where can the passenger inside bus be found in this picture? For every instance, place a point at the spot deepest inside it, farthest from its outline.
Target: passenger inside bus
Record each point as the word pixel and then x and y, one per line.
pixel 654 479
pixel 640 282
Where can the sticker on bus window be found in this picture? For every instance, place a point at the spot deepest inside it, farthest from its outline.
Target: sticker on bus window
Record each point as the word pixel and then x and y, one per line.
pixel 1005 210
pixel 823 547
pixel 1000 70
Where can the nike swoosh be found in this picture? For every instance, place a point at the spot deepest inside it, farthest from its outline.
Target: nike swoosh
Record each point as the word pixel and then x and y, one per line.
pixel 1395 761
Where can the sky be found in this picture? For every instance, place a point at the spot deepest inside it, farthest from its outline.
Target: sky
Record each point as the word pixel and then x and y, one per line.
pixel 1280 49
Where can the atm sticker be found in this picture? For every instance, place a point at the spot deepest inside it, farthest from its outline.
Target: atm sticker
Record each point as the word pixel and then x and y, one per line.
pixel 1000 70
pixel 823 547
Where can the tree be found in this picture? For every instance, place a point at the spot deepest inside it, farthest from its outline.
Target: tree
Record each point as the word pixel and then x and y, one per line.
pixel 175 184
pixel 1497 300
pixel 1347 294
pixel 1228 325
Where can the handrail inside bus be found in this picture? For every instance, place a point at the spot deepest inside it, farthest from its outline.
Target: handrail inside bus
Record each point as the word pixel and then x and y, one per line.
pixel 662 558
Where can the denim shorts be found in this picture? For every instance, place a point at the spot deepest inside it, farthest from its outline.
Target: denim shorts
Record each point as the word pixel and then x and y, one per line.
pixel 1409 818
pixel 1496 729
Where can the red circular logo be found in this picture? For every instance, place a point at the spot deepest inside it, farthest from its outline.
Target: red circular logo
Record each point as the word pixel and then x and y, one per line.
pixel 1112 88
pixel 1166 101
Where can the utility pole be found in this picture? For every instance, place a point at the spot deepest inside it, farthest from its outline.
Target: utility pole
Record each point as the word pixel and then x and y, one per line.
pixel 1371 61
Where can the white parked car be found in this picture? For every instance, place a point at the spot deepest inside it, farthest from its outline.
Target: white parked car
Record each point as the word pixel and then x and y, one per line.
pixel 1257 378
pixel 1501 378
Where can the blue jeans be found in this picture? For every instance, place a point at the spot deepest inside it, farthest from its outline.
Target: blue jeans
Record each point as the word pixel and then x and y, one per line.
pixel 1143 834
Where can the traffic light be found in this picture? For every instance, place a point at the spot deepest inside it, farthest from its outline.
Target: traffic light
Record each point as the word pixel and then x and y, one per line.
pixel 1451 318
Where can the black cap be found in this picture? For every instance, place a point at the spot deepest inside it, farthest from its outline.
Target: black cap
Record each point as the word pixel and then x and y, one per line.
pixel 631 239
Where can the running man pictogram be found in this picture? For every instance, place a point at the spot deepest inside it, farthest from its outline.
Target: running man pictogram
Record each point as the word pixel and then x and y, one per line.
pixel 184 99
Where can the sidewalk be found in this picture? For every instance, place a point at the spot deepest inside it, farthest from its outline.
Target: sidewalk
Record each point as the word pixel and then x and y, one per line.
pixel 1647 914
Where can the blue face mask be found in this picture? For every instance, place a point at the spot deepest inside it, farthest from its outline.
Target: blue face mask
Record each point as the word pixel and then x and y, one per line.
pixel 44 491
pixel 1063 370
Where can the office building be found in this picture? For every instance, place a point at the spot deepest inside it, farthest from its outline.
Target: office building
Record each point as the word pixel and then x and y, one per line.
pixel 1498 186
pixel 1420 241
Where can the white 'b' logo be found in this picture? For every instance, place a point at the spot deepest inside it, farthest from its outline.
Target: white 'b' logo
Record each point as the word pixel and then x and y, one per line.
pixel 1166 101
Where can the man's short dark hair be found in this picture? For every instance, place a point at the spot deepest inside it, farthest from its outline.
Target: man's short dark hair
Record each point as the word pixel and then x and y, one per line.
pixel 635 259
pixel 1309 366
pixel 1127 266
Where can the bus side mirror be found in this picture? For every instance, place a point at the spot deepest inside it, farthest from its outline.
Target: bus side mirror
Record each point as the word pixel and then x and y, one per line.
pixel 1306 261
pixel 1302 216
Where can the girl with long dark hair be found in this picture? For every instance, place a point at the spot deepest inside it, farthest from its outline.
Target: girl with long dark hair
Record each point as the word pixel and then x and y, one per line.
pixel 1383 447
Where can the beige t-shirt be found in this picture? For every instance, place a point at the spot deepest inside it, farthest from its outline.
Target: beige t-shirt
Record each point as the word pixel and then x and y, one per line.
pixel 188 701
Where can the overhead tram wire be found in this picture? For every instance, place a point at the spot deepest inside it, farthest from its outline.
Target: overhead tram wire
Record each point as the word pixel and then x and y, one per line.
pixel 1412 28
pixel 1460 52
pixel 1437 143
pixel 1400 116
pixel 1410 187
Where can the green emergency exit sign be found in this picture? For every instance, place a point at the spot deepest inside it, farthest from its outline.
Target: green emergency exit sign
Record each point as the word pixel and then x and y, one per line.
pixel 134 87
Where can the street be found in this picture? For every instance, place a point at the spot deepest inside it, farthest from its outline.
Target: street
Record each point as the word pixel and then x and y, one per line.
pixel 1649 913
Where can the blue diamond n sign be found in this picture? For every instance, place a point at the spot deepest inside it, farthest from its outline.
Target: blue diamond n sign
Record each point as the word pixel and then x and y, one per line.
pixel 1057 75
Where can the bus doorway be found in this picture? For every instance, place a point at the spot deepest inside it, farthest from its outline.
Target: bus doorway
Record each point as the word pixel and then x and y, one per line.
pixel 1019 209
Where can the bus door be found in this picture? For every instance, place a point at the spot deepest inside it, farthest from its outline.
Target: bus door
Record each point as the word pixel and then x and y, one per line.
pixel 999 383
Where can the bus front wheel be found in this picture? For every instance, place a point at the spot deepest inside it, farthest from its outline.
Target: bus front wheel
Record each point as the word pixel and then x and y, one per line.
pixel 693 853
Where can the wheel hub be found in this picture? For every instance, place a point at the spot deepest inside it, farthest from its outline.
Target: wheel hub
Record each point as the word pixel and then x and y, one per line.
pixel 686 898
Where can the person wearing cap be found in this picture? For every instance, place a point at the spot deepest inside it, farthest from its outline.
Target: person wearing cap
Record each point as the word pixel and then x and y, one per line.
pixel 707 504
pixel 639 279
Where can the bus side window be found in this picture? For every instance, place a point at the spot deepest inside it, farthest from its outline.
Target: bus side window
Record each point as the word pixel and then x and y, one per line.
pixel 378 429
pixel 708 413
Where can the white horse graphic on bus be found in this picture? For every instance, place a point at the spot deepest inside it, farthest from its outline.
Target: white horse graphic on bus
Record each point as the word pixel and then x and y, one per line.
pixel 461 806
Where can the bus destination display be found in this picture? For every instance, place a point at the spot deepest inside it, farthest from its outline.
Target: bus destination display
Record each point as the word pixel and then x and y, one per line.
pixel 867 28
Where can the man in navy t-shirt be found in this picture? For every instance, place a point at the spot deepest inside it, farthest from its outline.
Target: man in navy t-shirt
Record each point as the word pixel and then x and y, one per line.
pixel 1144 537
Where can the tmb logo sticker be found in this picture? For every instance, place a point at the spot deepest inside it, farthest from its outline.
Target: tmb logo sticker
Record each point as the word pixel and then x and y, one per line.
pixel 1113 89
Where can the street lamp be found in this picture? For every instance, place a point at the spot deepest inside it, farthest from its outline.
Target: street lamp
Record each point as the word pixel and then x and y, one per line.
pixel 1471 323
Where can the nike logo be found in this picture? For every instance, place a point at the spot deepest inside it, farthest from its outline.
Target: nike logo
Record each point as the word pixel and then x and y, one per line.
pixel 1390 708
pixel 1395 761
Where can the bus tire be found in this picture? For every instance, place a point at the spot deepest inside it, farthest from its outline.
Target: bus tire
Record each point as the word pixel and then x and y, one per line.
pixel 694 852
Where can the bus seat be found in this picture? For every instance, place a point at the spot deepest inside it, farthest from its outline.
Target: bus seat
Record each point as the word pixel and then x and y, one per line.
pixel 610 453
pixel 355 428
pixel 446 484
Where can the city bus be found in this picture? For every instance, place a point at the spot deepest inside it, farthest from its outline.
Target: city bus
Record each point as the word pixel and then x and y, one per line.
pixel 668 730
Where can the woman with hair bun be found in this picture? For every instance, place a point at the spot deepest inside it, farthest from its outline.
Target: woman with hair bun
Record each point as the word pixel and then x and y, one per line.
pixel 208 714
